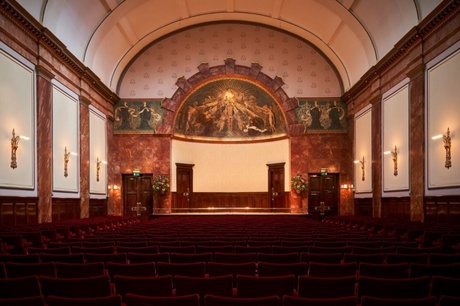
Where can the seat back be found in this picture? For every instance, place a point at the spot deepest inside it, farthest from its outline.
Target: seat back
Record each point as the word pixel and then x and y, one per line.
pixel 278 258
pixel 147 269
pixel 69 258
pixel 235 258
pixel 26 301
pixel 300 301
pixel 318 269
pixel 144 286
pixel 443 285
pixel 214 300
pixel 134 257
pixel 449 270
pixel 79 270
pixel 88 287
pixel 324 258
pixel 408 288
pixel 378 301
pixel 326 287
pixel 16 269
pixel 216 285
pixel 113 300
pixel 185 300
pixel 259 286
pixel 20 287
pixel 398 270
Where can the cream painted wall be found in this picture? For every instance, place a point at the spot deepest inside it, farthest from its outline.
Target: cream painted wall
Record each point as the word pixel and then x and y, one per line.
pixel 97 150
pixel 66 134
pixel 363 149
pixel 443 111
pixel 17 95
pixel 244 165
pixel 395 121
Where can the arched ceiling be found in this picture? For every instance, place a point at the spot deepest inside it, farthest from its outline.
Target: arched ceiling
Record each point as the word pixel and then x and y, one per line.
pixel 106 35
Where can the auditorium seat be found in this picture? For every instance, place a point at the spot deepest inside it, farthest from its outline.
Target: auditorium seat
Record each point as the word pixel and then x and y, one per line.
pixel 131 244
pixel 147 269
pixel 190 249
pixel 25 258
pixel 326 287
pixel 225 248
pixel 445 300
pixel 379 301
pixel 300 301
pixel 20 287
pixel 235 258
pixel 216 285
pixel 240 249
pixel 113 300
pixel 79 270
pixel 195 269
pixel 105 258
pixel 13 243
pixel 16 269
pixel 94 250
pixel 405 250
pixel 255 286
pixel 141 300
pixel 373 250
pixel 214 300
pixel 443 285
pixel 324 258
pixel 398 270
pixel 278 258
pixel 449 270
pixel 317 269
pixel 279 249
pixel 145 286
pixel 407 288
pixel 134 257
pixel 25 301
pixel 441 258
pixel 393 258
pixel 234 269
pixel 280 269
pixel 88 287
pixel 2 269
pixel 137 249
pixel 69 258
pixel 378 258
pixel 189 258
pixel 54 250
pixel 329 250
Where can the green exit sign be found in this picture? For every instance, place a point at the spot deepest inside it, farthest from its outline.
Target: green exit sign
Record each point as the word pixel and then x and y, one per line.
pixel 323 171
pixel 136 173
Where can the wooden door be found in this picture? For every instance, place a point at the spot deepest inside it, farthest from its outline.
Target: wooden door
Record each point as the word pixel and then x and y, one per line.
pixel 323 194
pixel 276 187
pixel 137 195
pixel 184 187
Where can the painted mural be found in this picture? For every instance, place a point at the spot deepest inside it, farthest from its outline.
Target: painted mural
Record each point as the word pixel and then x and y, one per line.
pixel 322 115
pixel 141 117
pixel 230 109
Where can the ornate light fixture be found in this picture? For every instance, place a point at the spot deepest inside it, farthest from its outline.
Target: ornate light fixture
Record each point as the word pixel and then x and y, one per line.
pixel 363 177
pixel 394 155
pixel 447 146
pixel 14 148
pixel 66 162
pixel 98 168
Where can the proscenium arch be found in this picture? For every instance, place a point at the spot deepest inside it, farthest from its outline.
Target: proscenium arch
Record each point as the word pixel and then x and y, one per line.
pixel 253 74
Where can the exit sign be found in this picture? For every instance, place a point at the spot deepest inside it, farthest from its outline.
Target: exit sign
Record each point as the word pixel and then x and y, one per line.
pixel 136 172
pixel 323 171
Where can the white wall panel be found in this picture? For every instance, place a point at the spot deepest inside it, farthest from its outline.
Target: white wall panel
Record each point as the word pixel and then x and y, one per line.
pixel 97 152
pixel 230 167
pixel 363 151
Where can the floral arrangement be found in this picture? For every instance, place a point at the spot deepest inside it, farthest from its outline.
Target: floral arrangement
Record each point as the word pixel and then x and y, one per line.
pixel 161 184
pixel 299 183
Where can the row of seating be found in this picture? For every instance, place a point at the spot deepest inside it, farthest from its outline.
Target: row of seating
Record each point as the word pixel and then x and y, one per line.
pixel 246 287
pixel 202 269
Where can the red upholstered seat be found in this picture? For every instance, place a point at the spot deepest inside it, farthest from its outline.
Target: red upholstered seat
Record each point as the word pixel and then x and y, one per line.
pixel 213 300
pixel 369 258
pixel 134 257
pixel 26 301
pixel 324 258
pixel 113 300
pixel 408 288
pixel 79 270
pixel 235 258
pixel 318 269
pixel 300 301
pixel 146 286
pixel 254 286
pixel 326 287
pixel 449 301
pixel 443 285
pixel 216 285
pixel 96 286
pixel 186 300
pixel 147 269
pixel 69 258
pixel 398 270
pixel 450 270
pixel 278 258
pixel 16 269
pixel 379 301
pixel 28 286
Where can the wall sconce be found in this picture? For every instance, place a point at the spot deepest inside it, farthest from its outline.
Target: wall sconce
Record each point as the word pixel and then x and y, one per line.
pixel 66 160
pixel 447 146
pixel 14 147
pixel 394 155
pixel 98 167
pixel 114 187
pixel 362 168
pixel 346 186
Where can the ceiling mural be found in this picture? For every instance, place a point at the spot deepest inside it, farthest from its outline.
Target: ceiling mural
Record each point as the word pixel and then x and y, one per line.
pixel 230 108
pixel 304 70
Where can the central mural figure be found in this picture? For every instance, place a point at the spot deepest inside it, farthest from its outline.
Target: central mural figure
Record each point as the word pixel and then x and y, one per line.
pixel 230 109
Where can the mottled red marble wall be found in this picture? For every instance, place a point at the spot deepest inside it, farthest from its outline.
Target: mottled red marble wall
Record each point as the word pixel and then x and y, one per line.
pixel 44 146
pixel 148 153
pixel 84 159
pixel 311 152
pixel 377 157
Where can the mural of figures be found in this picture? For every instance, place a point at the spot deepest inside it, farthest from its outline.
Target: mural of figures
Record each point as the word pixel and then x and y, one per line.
pixel 230 108
pixel 137 116
pixel 324 115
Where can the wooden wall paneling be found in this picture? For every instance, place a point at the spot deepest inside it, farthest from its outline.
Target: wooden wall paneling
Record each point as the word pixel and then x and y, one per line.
pixel 18 211
pixel 97 207
pixel 396 208
pixel 64 208
pixel 363 206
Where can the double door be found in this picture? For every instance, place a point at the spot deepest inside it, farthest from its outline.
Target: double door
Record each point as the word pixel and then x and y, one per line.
pixel 323 194
pixel 137 195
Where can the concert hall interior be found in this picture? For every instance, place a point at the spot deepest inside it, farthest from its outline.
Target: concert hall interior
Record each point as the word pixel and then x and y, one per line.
pixel 229 152
pixel 151 108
